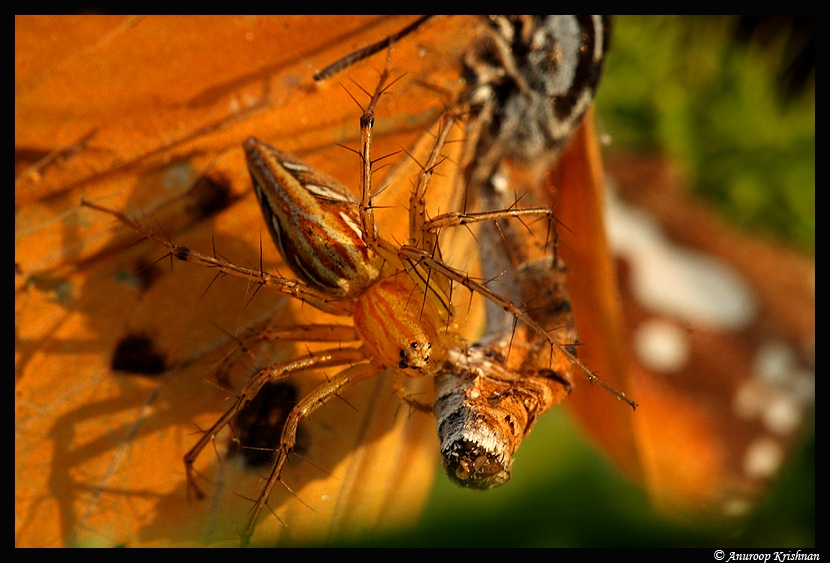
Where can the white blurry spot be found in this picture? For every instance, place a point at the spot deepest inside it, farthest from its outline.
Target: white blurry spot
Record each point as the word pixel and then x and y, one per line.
pixel 777 368
pixel 779 408
pixel 782 415
pixel 661 345
pixel 763 458
pixel 605 139
pixel 500 182
pixel 324 498
pixel 775 362
pixel 673 280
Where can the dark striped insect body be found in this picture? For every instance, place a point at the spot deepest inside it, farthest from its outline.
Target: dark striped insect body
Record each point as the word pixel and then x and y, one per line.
pixel 489 395
pixel 532 78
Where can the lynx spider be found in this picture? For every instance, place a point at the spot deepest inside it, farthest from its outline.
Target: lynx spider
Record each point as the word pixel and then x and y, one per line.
pixel 377 282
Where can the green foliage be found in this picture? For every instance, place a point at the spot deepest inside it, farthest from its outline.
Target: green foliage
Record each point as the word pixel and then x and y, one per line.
pixel 564 494
pixel 682 85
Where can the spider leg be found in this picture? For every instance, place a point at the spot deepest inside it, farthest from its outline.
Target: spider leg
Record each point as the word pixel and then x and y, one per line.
pixel 456 219
pixel 419 235
pixel 400 389
pixel 302 410
pixel 417 255
pixel 323 359
pixel 309 333
pixel 295 288
pixel 266 331
pixel 367 124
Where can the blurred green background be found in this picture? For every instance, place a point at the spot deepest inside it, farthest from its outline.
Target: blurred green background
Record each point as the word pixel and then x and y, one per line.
pixel 564 494
pixel 732 102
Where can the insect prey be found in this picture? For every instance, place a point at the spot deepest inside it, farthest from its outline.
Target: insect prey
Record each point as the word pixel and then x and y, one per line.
pixel 490 394
pixel 532 80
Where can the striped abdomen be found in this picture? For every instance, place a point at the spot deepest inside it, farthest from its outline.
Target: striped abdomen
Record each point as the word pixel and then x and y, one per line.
pixel 314 221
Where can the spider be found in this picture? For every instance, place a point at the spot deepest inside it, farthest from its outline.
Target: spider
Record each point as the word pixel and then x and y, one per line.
pixel 399 296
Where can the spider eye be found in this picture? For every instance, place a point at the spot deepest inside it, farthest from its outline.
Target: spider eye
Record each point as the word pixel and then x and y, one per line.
pixel 403 365
pixel 402 354
pixel 413 345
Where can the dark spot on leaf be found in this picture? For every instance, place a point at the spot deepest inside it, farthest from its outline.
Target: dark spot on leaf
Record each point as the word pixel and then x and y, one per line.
pixel 210 195
pixel 146 273
pixel 136 354
pixel 259 424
